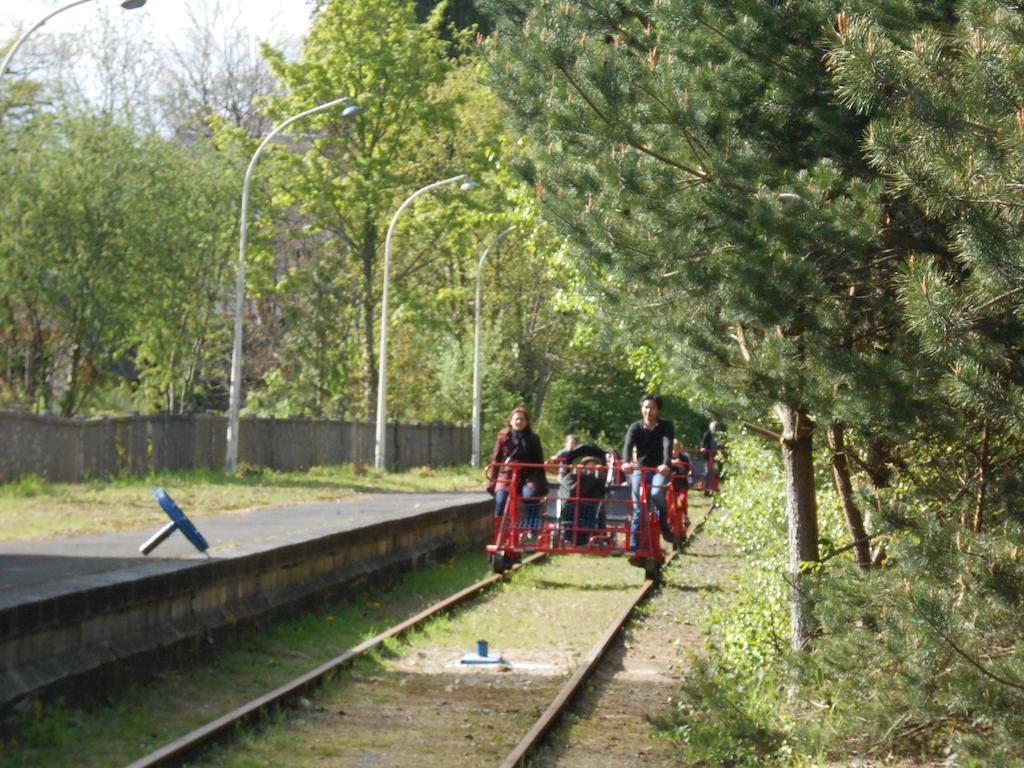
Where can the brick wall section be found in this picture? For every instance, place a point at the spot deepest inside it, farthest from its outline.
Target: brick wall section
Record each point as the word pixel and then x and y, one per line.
pixel 71 450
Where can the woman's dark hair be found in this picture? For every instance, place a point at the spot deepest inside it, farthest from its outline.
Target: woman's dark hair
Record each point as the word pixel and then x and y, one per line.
pixel 508 421
pixel 651 396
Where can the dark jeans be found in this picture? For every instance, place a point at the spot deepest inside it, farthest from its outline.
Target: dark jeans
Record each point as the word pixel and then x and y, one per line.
pixel 529 511
pixel 581 527
pixel 656 495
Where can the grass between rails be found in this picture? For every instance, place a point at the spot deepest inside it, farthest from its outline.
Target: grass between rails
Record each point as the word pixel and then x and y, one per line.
pixel 415 707
pixel 177 701
pixel 33 509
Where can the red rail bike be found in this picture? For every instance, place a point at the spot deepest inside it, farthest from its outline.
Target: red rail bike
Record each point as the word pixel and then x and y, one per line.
pixel 591 513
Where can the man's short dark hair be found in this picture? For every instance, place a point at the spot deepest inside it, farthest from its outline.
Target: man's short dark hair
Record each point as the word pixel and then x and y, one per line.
pixel 651 396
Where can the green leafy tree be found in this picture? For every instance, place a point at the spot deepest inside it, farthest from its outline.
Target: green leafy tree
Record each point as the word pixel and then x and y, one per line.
pixel 114 249
pixel 353 175
pixel 186 237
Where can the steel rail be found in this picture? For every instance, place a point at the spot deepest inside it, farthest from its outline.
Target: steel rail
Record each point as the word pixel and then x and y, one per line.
pixel 220 729
pixel 549 718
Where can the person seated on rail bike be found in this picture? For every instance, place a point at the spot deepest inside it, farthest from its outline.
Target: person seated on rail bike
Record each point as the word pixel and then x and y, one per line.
pixel 581 488
pixel 681 468
pixel 571 441
pixel 647 456
pixel 518 444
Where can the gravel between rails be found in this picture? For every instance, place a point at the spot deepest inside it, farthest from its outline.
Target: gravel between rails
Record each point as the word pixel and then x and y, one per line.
pixel 609 724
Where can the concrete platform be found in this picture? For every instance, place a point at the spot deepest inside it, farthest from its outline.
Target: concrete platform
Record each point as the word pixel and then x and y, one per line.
pixel 81 616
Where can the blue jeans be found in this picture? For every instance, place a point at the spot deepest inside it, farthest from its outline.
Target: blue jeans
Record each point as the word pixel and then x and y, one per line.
pixel 656 494
pixel 529 512
pixel 587 520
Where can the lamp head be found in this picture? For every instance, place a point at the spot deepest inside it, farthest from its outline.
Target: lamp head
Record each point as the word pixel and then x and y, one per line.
pixel 468 184
pixel 351 109
pixel 129 5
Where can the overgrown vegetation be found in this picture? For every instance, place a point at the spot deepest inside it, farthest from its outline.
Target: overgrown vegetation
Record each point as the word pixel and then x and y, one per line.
pixel 916 659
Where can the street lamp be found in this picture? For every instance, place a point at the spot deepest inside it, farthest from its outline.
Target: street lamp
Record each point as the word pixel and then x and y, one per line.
pixel 382 381
pixel 231 457
pixel 475 459
pixel 127 5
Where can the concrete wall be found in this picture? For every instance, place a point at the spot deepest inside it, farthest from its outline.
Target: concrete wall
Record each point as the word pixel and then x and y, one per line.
pixel 71 450
pixel 98 638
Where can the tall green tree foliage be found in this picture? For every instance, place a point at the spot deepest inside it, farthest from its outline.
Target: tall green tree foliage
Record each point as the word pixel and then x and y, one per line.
pixel 353 175
pixel 112 249
pixel 436 256
pixel 923 661
pixel 696 151
pixel 944 660
pixel 947 130
pixel 427 117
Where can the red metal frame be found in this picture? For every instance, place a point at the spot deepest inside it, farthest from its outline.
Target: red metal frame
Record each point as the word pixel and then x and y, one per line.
pixel 607 534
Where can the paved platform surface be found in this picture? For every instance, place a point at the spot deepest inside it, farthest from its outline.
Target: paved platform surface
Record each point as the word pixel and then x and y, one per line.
pixel 35 570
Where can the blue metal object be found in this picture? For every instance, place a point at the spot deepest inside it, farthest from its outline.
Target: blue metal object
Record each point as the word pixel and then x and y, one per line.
pixel 179 522
pixel 481 656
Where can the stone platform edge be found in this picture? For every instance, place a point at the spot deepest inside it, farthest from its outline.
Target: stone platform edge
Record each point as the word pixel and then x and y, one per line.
pixel 88 644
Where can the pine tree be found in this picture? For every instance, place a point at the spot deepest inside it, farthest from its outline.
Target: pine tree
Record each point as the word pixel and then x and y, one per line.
pixel 697 152
pixel 947 130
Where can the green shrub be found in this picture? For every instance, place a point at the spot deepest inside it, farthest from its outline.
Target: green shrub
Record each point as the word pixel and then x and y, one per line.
pixel 27 486
pixel 714 723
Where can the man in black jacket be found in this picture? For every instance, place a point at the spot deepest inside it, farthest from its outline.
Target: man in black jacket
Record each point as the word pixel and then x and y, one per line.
pixel 651 438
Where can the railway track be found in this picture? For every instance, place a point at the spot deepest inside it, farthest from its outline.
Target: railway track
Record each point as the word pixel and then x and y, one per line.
pixel 563 701
pixel 200 739
pixel 257 711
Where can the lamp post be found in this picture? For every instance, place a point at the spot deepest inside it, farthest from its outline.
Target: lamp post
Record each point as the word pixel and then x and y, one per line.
pixel 234 402
pixel 475 457
pixel 126 4
pixel 381 442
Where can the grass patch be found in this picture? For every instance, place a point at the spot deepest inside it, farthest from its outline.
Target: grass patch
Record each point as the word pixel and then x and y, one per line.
pixel 33 509
pixel 562 604
pixel 179 700
pixel 26 487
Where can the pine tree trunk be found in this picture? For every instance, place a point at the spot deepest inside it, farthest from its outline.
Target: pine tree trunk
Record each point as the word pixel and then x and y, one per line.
pixel 801 515
pixel 841 477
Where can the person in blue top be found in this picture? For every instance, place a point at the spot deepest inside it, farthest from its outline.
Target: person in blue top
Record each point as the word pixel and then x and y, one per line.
pixel 647 453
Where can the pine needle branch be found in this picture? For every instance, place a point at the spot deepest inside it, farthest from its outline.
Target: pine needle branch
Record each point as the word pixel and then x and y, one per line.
pixel 999 298
pixel 848 547
pixel 743 49
pixel 962 653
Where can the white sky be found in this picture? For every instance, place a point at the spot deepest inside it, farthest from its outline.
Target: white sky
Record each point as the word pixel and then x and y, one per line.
pixel 271 20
